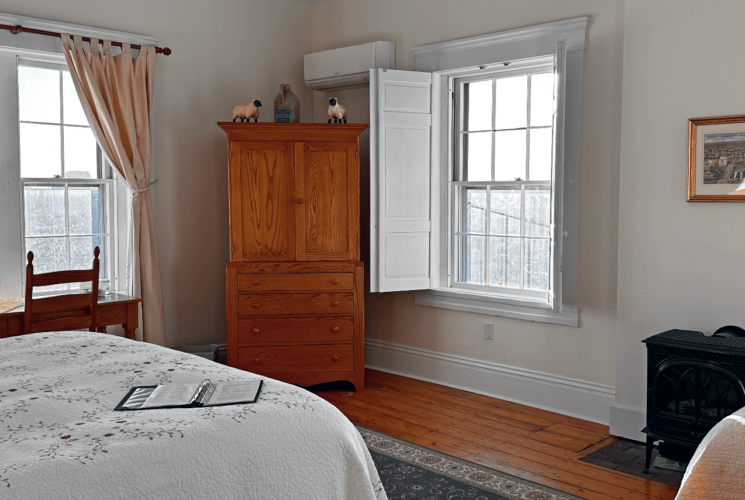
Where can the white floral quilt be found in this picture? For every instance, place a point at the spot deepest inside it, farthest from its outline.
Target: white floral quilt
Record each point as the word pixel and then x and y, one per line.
pixel 717 469
pixel 61 438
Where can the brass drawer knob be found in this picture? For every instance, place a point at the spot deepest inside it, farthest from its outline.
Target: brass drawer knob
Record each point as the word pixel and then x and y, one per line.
pixel 334 281
pixel 335 303
pixel 335 329
pixel 300 201
pixel 255 282
pixel 335 358
pixel 256 304
pixel 256 330
pixel 257 360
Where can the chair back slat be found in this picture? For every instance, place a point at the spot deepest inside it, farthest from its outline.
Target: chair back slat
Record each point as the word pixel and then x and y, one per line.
pixel 63 277
pixel 69 311
pixel 61 303
pixel 61 324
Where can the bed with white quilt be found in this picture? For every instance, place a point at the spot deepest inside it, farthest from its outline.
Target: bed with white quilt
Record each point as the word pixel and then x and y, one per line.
pixel 717 469
pixel 61 438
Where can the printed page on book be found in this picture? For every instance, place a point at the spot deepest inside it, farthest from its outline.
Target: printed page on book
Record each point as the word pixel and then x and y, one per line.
pixel 227 393
pixel 172 395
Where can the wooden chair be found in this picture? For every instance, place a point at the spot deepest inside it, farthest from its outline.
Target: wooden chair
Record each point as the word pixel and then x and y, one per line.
pixel 70 311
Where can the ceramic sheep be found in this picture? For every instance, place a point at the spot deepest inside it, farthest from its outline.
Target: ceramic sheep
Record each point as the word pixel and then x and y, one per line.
pixel 245 112
pixel 336 111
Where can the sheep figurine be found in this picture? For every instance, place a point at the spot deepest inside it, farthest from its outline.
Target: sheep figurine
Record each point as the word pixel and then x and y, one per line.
pixel 247 111
pixel 336 111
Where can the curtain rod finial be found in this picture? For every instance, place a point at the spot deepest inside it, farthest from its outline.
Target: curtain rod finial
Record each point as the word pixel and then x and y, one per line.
pixel 165 51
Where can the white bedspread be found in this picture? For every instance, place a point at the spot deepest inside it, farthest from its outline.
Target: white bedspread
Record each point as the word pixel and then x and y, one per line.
pixel 60 438
pixel 717 469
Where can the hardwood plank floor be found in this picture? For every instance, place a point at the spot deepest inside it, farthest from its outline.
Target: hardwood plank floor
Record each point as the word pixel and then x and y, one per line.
pixel 526 442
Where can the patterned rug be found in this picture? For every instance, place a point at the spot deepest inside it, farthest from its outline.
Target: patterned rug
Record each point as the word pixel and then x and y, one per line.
pixel 412 472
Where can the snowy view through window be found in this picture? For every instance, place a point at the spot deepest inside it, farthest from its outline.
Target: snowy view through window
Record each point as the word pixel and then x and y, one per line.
pixel 64 214
pixel 503 179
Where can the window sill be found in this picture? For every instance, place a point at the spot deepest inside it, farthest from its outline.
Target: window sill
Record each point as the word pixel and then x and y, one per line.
pixel 529 310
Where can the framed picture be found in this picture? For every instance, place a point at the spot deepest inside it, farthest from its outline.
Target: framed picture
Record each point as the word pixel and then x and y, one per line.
pixel 716 159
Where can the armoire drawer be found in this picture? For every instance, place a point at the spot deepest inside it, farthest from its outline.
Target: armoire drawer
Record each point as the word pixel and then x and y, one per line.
pixel 295 330
pixel 296 304
pixel 307 358
pixel 248 283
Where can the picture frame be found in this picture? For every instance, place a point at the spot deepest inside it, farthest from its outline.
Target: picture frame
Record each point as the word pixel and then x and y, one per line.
pixel 716 159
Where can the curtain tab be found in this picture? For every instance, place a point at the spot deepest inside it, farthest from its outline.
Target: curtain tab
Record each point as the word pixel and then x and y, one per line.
pixel 107 47
pixel 78 41
pixel 126 49
pixel 94 45
pixel 65 40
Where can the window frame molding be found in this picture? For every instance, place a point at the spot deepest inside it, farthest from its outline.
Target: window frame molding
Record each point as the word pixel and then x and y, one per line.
pixel 447 60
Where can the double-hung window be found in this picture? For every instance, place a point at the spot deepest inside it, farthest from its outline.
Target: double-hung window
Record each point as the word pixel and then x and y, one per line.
pixel 66 186
pixel 474 174
pixel 503 138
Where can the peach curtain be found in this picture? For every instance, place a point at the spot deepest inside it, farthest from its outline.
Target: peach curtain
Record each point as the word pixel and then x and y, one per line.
pixel 117 94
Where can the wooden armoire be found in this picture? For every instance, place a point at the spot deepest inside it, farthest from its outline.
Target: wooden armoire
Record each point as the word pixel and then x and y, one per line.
pixel 294 283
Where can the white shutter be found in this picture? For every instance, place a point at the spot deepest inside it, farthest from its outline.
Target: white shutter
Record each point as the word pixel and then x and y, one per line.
pixel 400 135
pixel 560 73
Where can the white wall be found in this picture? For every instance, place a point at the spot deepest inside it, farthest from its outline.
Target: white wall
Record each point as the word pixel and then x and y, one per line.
pixel 224 53
pixel 680 264
pixel 584 353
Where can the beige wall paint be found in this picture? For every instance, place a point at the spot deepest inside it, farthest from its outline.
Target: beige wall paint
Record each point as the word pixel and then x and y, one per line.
pixel 224 53
pixel 680 264
pixel 585 352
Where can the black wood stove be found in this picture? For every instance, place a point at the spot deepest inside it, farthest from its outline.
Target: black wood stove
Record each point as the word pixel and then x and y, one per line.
pixel 693 382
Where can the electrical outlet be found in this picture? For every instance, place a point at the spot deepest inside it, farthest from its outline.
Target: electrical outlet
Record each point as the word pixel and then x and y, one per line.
pixel 489 331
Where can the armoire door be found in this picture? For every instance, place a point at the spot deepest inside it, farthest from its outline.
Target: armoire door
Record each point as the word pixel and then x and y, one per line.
pixel 327 204
pixel 262 197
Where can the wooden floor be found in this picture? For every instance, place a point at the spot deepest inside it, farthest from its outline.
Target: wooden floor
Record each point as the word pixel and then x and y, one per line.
pixel 533 444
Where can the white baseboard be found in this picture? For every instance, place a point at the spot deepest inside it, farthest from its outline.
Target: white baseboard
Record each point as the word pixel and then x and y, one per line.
pixel 576 398
pixel 628 422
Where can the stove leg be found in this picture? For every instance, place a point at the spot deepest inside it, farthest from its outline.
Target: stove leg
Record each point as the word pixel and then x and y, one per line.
pixel 650 447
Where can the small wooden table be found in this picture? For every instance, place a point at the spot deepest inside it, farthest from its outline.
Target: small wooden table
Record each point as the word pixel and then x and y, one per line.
pixel 113 309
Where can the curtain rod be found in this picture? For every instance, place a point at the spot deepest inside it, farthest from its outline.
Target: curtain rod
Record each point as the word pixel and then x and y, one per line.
pixel 15 30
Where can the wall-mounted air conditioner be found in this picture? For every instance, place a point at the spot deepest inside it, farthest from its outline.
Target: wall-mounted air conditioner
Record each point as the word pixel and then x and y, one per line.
pixel 348 67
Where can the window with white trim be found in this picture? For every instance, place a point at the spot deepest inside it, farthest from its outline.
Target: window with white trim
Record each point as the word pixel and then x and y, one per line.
pixel 67 197
pixel 503 143
pixel 474 173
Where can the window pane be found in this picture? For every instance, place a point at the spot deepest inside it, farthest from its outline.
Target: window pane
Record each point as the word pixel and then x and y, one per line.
pixel 505 212
pixel 473 259
pixel 477 156
pixel 81 159
pixel 50 254
pixel 509 155
pixel 38 94
pixel 537 255
pixel 538 212
pixel 542 100
pixel 478 105
pixel 40 150
pixel 541 143
pixel 73 111
pixel 512 102
pixel 504 262
pixel 44 210
pixel 475 211
pixel 81 251
pixel 86 210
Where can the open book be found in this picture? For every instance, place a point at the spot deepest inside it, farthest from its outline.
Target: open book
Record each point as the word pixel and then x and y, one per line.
pixel 200 394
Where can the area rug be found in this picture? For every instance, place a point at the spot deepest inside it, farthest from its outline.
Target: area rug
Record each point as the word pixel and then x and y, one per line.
pixel 412 472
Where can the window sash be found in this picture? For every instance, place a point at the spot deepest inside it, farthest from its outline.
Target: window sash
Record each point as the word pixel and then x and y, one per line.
pixel 107 267
pixel 458 187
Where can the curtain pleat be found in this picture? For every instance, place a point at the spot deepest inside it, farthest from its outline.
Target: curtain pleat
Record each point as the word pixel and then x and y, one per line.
pixel 116 93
